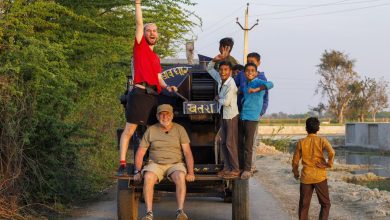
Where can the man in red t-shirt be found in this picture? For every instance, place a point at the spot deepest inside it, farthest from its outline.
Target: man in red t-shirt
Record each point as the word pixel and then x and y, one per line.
pixel 142 100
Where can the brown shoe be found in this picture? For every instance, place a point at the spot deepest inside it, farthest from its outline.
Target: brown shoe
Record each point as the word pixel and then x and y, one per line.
pixel 231 174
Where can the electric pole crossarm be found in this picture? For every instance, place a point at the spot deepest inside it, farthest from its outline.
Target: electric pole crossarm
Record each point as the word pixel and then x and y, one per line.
pixel 246 30
pixel 257 23
pixel 237 22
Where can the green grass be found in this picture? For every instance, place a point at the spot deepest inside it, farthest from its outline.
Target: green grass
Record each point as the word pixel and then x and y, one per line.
pixel 294 122
pixel 379 184
pixel 282 144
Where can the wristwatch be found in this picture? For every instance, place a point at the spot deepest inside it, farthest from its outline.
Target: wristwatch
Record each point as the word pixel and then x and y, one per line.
pixel 137 172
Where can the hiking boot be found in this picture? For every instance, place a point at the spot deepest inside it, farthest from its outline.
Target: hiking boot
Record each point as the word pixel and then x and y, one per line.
pixel 246 175
pixel 122 171
pixel 148 216
pixel 231 174
pixel 180 215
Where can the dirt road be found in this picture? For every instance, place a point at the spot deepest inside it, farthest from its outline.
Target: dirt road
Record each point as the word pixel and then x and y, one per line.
pixel 263 206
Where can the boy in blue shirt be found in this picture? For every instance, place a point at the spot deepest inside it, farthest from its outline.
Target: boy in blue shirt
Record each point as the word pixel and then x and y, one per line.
pixel 252 103
pixel 240 80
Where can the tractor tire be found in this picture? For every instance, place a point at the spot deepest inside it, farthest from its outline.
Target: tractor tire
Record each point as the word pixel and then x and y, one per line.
pixel 127 201
pixel 240 204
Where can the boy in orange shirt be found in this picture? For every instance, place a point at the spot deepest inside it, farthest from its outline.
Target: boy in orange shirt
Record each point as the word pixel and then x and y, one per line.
pixel 313 173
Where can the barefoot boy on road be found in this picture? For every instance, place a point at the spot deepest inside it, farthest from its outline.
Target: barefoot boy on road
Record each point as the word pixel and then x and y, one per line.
pixel 313 173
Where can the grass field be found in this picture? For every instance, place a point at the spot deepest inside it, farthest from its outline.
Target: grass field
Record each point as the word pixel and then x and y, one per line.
pixel 301 121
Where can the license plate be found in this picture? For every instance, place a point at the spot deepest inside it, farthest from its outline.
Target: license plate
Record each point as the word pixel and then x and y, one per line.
pixel 200 107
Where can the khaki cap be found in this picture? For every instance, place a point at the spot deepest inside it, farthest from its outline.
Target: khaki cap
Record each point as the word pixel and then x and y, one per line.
pixel 164 108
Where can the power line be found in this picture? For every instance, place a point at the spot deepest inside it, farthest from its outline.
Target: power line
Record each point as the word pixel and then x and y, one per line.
pixel 310 5
pixel 217 29
pixel 222 19
pixel 216 42
pixel 300 9
pixel 229 15
pixel 293 79
pixel 339 3
pixel 280 5
pixel 328 13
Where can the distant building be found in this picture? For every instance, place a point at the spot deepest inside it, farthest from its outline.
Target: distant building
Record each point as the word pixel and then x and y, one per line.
pixel 368 135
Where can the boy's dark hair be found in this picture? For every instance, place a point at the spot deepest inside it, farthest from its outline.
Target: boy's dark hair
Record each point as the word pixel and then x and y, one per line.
pixel 238 67
pixel 254 55
pixel 227 41
pixel 225 63
pixel 312 125
pixel 250 64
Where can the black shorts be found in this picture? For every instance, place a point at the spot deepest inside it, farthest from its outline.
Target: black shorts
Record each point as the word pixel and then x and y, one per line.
pixel 141 107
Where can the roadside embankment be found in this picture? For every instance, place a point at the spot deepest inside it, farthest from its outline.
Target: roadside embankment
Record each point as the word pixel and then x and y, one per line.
pixel 299 130
pixel 349 201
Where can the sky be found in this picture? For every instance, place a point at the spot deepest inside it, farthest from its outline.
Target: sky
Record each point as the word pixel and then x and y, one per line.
pixel 291 37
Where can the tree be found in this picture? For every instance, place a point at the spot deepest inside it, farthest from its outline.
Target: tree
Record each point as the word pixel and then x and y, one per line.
pixel 379 100
pixel 320 108
pixel 62 66
pixel 363 92
pixel 337 74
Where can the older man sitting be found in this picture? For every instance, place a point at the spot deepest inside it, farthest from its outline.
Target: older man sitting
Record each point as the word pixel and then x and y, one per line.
pixel 167 142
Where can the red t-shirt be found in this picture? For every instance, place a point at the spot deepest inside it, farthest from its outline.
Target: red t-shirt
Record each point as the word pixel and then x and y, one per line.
pixel 146 64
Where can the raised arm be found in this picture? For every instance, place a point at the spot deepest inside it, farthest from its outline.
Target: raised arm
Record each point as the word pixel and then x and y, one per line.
pixel 210 68
pixel 213 73
pixel 261 85
pixel 264 84
pixel 258 89
pixel 139 24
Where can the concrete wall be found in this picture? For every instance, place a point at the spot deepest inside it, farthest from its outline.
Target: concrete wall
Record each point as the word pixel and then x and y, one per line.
pixel 299 130
pixel 368 135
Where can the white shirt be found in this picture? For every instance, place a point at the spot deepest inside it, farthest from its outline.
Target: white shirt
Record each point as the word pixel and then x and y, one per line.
pixel 227 93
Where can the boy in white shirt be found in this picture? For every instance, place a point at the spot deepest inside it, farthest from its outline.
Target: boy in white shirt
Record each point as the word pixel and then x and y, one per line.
pixel 227 98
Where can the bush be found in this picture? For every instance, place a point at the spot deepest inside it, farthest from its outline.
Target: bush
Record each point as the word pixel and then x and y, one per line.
pixel 281 143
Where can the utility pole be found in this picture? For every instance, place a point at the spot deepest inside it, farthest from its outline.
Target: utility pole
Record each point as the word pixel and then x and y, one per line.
pixel 246 29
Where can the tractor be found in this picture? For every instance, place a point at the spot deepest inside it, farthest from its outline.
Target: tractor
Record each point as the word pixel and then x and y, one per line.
pixel 197 111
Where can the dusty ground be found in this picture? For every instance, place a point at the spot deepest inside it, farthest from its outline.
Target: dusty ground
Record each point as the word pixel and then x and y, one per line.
pixel 349 201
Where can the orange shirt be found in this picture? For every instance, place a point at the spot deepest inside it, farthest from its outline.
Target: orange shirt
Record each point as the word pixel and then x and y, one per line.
pixel 310 149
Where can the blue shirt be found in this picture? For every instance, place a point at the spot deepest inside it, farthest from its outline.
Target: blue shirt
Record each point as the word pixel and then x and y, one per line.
pixel 240 80
pixel 252 103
